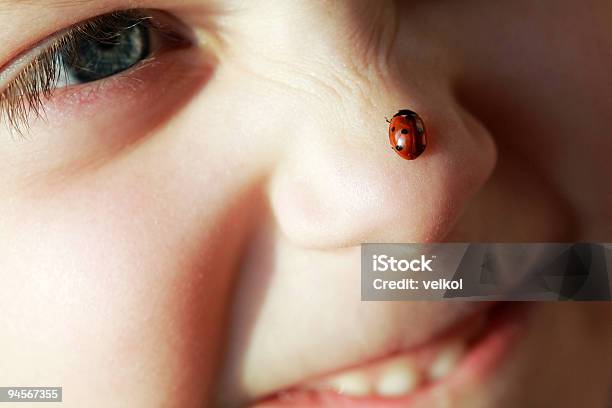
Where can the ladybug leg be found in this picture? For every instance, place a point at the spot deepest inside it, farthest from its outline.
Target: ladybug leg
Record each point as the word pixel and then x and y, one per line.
pixel 388 121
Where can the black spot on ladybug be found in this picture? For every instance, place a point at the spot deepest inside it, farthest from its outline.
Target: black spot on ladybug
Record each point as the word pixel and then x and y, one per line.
pixel 404 131
pixel 398 148
pixel 393 129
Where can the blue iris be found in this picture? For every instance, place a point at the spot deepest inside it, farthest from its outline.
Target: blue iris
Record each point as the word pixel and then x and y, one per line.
pixel 98 56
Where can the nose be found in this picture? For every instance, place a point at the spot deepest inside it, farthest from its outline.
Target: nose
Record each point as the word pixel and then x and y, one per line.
pixel 340 185
pixel 336 182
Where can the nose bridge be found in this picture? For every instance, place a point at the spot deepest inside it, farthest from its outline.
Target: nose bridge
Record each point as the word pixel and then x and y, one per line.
pixel 316 40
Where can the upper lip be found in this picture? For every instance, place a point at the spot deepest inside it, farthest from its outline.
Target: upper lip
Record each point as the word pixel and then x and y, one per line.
pixel 392 345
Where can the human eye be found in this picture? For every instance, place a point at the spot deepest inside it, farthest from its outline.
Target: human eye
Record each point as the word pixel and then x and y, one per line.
pixel 88 52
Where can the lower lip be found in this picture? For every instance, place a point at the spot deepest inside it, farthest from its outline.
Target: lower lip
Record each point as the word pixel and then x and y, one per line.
pixel 508 322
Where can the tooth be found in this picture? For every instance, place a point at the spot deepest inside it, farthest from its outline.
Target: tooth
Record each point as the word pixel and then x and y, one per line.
pixel 353 384
pixel 446 361
pixel 397 378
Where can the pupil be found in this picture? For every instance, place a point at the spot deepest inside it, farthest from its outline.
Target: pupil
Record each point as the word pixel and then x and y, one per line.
pixel 98 57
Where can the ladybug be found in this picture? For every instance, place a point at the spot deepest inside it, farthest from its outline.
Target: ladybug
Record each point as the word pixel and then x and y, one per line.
pixel 407 134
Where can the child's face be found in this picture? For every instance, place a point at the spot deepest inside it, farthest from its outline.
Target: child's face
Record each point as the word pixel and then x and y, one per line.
pixel 190 229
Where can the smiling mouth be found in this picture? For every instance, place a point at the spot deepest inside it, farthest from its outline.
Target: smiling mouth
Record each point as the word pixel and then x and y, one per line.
pixel 466 353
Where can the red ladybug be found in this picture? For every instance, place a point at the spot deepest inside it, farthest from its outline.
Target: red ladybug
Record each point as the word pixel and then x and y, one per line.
pixel 407 134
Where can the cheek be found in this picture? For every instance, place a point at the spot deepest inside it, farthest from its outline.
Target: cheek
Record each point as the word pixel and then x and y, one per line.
pixel 120 241
pixel 129 295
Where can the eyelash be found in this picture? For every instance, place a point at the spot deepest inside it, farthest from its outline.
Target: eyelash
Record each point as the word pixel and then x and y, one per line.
pixel 35 83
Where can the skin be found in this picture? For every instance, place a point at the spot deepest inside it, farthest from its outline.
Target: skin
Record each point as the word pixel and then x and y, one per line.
pixel 153 251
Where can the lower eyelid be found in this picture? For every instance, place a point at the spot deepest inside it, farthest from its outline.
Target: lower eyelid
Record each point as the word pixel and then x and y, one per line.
pixel 135 81
pixel 149 93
